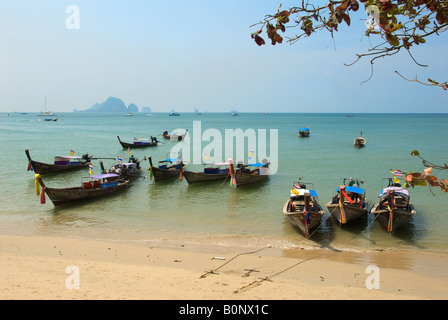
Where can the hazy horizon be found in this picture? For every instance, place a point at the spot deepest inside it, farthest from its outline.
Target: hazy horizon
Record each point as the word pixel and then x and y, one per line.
pixel 199 55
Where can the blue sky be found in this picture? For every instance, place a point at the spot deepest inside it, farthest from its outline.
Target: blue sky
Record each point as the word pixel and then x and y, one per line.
pixel 184 55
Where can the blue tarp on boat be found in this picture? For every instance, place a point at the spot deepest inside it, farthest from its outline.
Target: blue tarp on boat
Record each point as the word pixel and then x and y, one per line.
pixel 353 189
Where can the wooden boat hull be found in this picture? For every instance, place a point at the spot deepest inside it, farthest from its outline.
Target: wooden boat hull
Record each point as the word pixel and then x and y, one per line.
pixel 297 218
pixel 61 196
pixel 43 168
pixel 126 145
pixel 400 217
pixel 243 178
pixel 197 177
pixel 352 212
pixel 163 174
pixel 359 142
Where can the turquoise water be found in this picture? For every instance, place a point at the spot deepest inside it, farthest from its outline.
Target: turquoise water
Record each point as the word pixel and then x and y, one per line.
pixel 216 213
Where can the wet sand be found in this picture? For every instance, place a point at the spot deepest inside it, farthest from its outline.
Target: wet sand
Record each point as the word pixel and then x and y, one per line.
pixel 35 268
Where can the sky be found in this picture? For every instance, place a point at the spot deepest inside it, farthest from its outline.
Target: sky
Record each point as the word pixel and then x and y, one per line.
pixel 198 54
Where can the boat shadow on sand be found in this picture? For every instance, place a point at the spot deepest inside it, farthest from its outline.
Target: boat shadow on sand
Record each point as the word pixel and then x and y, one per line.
pixel 408 235
pixel 322 236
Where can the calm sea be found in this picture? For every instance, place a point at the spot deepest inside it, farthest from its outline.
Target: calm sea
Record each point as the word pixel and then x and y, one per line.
pixel 216 213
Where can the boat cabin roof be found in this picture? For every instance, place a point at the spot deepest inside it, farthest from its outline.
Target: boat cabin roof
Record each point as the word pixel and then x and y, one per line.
pixel 396 189
pixel 67 157
pixel 301 192
pixel 171 160
pixel 104 176
pixel 352 189
pixel 218 164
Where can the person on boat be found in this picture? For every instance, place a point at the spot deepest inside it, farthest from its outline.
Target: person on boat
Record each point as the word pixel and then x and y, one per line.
pixel 351 182
pixel 132 159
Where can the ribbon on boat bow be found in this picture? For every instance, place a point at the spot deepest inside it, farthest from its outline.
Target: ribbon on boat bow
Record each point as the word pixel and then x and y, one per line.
pixel 341 207
pixel 36 183
pixel 391 217
pixel 307 222
pixel 42 196
pixel 39 192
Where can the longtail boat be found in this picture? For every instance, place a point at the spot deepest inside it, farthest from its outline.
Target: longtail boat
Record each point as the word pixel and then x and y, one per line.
pixel 126 170
pixel 91 187
pixel 245 174
pixel 61 164
pixel 394 208
pixel 175 135
pixel 304 132
pixel 349 203
pixel 359 142
pixel 138 143
pixel 166 169
pixel 302 208
pixel 211 172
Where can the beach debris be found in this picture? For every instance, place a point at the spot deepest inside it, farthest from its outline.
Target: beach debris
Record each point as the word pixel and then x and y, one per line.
pixel 249 271
pixel 222 258
pixel 207 273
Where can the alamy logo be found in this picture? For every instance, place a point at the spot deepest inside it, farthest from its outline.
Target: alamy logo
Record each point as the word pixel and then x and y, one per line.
pixel 232 146
pixel 73 21
pixel 72 281
pixel 373 281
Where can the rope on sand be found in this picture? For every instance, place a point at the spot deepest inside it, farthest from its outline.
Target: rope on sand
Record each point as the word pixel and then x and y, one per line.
pixel 213 271
pixel 257 283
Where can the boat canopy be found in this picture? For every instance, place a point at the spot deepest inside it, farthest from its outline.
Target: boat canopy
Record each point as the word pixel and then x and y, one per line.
pixel 258 164
pixel 301 192
pixel 171 160
pixel 140 139
pixel 67 158
pixel 217 164
pixel 104 176
pixel 353 189
pixel 304 129
pixel 396 189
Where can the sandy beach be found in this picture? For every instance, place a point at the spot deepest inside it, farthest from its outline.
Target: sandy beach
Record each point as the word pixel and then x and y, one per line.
pixel 65 269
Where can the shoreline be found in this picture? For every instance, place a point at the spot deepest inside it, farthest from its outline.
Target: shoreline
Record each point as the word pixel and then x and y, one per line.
pixel 35 268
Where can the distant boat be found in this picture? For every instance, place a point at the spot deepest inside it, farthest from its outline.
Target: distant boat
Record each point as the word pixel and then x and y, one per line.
pixel 234 113
pixel 128 114
pixel 360 142
pixel 174 113
pixel 48 114
pixel 196 111
pixel 304 132
pixel 174 136
pixel 138 143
